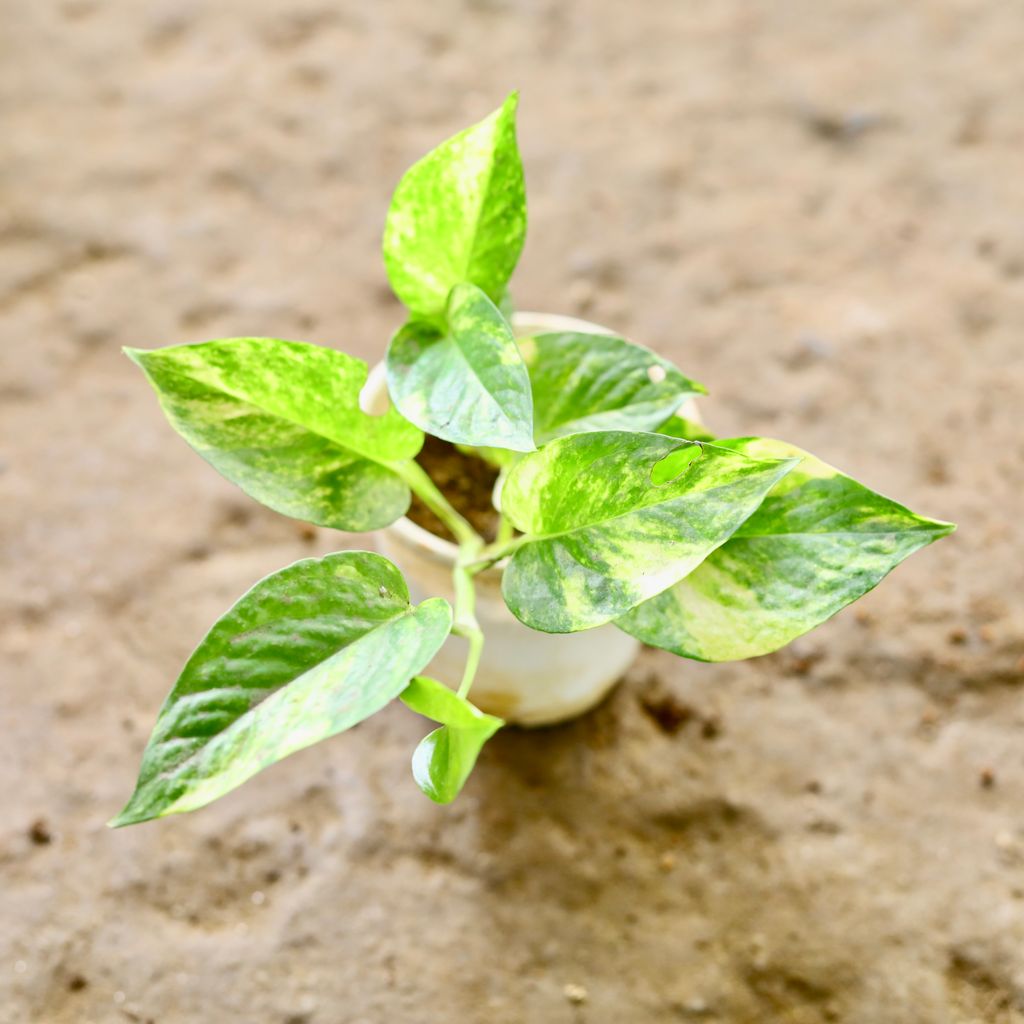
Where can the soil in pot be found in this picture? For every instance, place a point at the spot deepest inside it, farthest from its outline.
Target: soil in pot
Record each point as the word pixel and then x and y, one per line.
pixel 465 480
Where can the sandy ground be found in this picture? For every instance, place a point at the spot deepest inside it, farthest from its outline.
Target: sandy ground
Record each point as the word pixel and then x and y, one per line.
pixel 815 208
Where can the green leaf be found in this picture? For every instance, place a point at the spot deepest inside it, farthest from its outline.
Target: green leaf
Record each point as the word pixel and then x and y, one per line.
pixel 282 420
pixel 307 653
pixel 691 430
pixel 445 757
pixel 585 382
pixel 818 542
pixel 612 518
pixel 467 385
pixel 459 214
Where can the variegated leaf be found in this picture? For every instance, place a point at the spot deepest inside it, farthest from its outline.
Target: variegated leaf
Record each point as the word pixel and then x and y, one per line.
pixel 818 542
pixel 445 757
pixel 586 382
pixel 612 518
pixel 281 419
pixel 459 214
pixel 466 384
pixel 307 653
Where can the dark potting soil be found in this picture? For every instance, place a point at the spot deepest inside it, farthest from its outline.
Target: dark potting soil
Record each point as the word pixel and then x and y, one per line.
pixel 466 481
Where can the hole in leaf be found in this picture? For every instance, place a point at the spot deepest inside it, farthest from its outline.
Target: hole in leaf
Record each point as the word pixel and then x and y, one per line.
pixel 677 462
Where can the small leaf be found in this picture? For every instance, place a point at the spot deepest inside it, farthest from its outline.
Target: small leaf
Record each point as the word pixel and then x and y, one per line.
pixel 468 385
pixel 818 542
pixel 445 757
pixel 307 653
pixel 281 419
pixel 459 214
pixel 587 382
pixel 605 532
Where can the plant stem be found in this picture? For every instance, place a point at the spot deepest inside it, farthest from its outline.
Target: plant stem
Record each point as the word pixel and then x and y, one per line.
pixel 471 544
pixel 465 623
pixel 506 531
pixel 426 490
pixel 487 556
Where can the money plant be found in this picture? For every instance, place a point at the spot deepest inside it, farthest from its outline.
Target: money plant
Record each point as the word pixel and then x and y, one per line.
pixel 613 508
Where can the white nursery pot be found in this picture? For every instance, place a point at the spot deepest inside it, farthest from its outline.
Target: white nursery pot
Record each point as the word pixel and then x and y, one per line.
pixel 525 677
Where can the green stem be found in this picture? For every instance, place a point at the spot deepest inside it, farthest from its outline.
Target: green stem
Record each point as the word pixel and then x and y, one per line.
pixel 465 623
pixel 506 531
pixel 426 490
pixel 470 546
pixel 492 553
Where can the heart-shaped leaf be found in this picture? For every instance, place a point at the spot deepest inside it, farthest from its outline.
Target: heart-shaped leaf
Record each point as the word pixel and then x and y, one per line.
pixel 281 419
pixel 612 518
pixel 445 757
pixel 467 384
pixel 307 653
pixel 459 214
pixel 818 542
pixel 586 382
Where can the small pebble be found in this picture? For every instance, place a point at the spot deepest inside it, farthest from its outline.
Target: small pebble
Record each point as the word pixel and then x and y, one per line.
pixel 711 728
pixel 39 833
pixel 576 994
pixel 987 778
pixel 667 862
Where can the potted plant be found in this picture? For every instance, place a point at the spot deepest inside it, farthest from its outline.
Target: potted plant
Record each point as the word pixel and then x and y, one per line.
pixel 615 518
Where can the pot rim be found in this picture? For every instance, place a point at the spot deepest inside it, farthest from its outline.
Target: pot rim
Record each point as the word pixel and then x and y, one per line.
pixel 439 549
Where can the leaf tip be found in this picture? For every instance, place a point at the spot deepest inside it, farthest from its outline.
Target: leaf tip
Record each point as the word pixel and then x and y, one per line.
pixel 440 796
pixel 125 817
pixel 525 444
pixel 788 464
pixel 134 813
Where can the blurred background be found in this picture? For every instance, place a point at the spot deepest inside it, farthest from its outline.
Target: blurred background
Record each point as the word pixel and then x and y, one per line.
pixel 816 209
